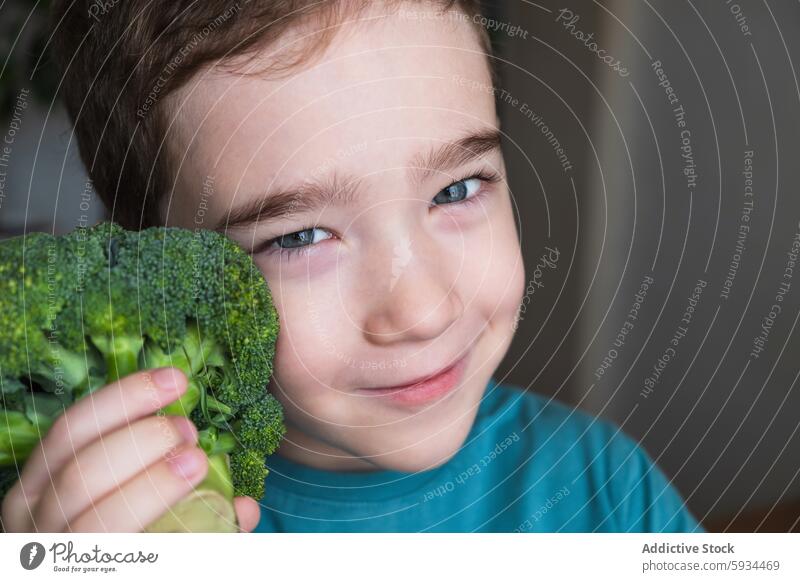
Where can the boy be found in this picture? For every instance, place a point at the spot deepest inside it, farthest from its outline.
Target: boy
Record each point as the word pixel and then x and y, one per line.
pixel 339 144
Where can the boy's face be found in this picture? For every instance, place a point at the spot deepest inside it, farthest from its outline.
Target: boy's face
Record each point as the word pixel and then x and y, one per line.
pixel 415 266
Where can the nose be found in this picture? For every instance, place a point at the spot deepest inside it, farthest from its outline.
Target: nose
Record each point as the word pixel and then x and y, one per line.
pixel 417 299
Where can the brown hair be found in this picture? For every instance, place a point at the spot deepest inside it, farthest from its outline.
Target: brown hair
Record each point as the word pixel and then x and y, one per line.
pixel 120 59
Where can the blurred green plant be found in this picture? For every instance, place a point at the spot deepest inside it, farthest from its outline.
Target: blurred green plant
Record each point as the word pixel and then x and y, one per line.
pixel 24 57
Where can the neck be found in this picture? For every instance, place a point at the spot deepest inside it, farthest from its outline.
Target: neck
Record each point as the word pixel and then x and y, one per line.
pixel 305 449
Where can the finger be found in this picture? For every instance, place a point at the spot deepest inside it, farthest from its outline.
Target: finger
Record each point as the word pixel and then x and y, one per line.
pixel 106 464
pixel 147 496
pixel 111 407
pixel 248 513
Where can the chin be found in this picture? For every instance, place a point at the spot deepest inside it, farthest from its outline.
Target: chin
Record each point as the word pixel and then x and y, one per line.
pixel 422 452
pixel 428 454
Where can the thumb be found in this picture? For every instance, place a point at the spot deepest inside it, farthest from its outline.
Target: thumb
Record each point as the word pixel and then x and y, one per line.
pixel 248 513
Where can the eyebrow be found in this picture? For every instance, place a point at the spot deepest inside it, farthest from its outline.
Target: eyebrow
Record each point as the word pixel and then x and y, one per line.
pixel 335 189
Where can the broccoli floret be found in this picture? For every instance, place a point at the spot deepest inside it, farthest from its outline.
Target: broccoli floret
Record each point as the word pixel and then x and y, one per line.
pixel 254 433
pixel 249 468
pixel 82 310
pixel 258 427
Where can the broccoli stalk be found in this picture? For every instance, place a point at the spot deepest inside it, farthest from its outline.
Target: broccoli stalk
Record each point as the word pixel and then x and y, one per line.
pixel 22 434
pixel 83 310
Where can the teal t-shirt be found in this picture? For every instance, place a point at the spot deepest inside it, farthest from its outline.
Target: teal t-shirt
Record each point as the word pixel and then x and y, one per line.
pixel 529 464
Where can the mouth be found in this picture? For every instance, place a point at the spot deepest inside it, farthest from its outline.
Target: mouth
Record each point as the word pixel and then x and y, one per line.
pixel 425 389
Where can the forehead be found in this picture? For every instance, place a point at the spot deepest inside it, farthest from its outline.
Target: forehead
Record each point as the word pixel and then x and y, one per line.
pixel 384 86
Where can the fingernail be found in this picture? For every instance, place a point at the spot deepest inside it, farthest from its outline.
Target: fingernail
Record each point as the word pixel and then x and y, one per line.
pixel 188 464
pixel 169 379
pixel 186 428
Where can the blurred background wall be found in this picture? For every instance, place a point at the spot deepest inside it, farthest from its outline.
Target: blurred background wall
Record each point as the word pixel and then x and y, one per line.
pixel 652 150
pixel 675 223
pixel 43 186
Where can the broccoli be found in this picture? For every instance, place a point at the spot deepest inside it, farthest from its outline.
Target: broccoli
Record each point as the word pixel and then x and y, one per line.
pixel 84 309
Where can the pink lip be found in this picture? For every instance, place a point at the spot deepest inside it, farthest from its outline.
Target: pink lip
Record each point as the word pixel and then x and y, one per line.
pixel 425 390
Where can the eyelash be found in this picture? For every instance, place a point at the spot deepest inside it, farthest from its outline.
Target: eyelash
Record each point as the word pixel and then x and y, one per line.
pixel 487 177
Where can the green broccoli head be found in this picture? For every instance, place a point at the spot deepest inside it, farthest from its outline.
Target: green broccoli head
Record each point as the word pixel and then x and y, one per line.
pixel 99 303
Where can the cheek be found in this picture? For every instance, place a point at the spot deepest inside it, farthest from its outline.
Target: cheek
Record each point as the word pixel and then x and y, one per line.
pixel 512 276
pixel 493 272
pixel 309 352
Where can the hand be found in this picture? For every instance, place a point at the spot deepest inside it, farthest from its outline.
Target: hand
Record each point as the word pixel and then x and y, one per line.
pixel 109 464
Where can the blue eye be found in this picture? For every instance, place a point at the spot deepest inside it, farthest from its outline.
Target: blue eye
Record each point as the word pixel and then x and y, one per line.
pixel 458 191
pixel 299 239
pixel 467 190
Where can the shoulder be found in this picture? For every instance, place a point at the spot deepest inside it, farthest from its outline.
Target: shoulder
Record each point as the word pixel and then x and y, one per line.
pixel 593 457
